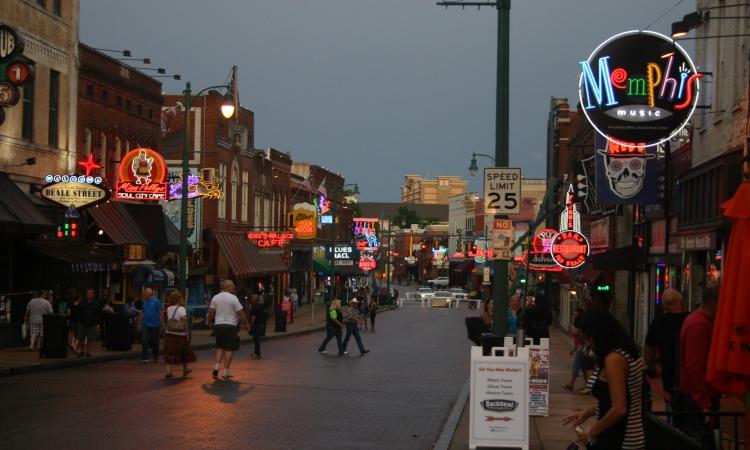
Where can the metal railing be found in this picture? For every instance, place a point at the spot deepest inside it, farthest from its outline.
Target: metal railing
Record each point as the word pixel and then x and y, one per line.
pixel 662 435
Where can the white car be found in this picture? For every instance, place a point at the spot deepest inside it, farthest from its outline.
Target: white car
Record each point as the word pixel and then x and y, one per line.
pixel 459 294
pixel 426 293
pixel 441 299
pixel 439 282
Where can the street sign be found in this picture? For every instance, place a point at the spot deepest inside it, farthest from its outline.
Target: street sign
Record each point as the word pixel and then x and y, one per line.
pixel 502 190
pixel 502 238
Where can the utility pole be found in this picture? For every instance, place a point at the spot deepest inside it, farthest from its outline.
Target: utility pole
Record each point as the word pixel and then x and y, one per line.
pixel 502 111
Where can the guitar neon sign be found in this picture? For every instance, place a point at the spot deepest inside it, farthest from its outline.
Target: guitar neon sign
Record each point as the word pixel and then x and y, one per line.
pixel 569 248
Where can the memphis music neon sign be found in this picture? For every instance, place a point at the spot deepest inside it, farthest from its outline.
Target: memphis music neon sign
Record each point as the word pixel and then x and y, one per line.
pixel 639 86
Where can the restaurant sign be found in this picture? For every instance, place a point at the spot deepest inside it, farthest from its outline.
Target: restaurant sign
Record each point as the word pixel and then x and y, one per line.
pixel 570 247
pixel 639 87
pixel 75 191
pixel 142 176
pixel 270 239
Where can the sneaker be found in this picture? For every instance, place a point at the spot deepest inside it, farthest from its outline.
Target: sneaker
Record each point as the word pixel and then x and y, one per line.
pixel 256 355
pixel 365 352
pixel 322 352
pixel 215 373
pixel 346 353
pixel 144 361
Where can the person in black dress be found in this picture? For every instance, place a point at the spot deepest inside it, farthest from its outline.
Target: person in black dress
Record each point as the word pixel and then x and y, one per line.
pixel 537 317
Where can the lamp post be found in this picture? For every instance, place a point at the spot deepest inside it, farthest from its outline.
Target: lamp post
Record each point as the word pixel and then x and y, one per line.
pixel 227 110
pixel 473 168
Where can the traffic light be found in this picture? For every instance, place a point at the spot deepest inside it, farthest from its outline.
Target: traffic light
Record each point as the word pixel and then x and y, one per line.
pixel 68 229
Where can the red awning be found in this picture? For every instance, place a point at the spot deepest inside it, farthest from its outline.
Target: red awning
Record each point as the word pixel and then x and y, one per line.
pixel 243 258
pixel 117 223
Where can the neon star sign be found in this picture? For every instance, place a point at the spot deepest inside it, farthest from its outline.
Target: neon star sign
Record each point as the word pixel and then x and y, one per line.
pixel 89 164
pixel 631 91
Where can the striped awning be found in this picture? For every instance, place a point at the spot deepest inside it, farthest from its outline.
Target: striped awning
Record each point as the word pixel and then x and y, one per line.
pixel 117 223
pixel 243 258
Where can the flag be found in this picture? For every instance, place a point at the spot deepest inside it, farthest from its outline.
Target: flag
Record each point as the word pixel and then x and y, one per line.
pixel 307 184
pixel 322 188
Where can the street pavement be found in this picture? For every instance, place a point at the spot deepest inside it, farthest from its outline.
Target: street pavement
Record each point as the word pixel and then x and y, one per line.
pixel 396 397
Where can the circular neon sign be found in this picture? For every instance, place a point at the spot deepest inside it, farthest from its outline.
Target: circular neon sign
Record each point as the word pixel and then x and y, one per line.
pixel 569 249
pixel 638 87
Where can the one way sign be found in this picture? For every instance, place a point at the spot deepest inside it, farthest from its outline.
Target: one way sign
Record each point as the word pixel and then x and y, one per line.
pixel 502 190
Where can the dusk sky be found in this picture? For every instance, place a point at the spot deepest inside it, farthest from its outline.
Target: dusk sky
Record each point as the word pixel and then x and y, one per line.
pixel 376 89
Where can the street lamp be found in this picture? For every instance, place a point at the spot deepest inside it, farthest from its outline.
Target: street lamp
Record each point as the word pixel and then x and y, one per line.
pixel 473 168
pixel 227 110
pixel 355 191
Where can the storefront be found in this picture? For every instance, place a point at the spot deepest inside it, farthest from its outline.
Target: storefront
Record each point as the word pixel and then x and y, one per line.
pixel 702 256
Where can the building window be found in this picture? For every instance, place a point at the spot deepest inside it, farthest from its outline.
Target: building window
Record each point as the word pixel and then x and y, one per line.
pixel 128 105
pixel 245 192
pixel 257 211
pixel 102 156
pixel 42 3
pixel 235 199
pixel 118 101
pixel 57 7
pixel 105 96
pixel 267 212
pixel 54 100
pixel 139 109
pixel 90 90
pixel 27 127
pixel 116 157
pixel 150 113
pixel 222 202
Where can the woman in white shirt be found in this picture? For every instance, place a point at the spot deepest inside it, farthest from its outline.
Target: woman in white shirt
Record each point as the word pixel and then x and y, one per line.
pixel 177 348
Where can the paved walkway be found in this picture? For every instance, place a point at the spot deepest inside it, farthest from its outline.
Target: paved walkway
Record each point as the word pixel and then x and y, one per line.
pixel 22 360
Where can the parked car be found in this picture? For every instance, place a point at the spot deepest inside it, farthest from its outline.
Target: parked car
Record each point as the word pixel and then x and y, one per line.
pixel 441 299
pixel 426 293
pixel 439 282
pixel 459 294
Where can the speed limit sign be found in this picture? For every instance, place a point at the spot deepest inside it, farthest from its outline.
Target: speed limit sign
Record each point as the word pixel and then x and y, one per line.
pixel 502 190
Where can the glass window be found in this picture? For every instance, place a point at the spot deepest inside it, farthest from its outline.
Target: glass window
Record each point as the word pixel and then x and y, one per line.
pixel 54 100
pixel 57 7
pixel 42 3
pixel 139 109
pixel 105 96
pixel 118 101
pixel 27 127
pixel 257 211
pixel 222 202
pixel 90 90
pixel 235 199
pixel 128 105
pixel 245 192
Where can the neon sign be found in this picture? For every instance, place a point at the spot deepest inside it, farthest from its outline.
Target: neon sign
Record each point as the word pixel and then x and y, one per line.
pixel 569 248
pixel 205 186
pixel 367 263
pixel 75 191
pixel 89 164
pixel 633 92
pixel 142 176
pixel 269 239
pixel 304 221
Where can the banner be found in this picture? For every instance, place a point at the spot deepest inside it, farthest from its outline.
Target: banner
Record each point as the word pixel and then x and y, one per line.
pixel 625 174
pixel 539 379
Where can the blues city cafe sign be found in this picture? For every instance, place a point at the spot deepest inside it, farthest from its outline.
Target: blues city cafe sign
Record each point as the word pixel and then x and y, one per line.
pixel 639 87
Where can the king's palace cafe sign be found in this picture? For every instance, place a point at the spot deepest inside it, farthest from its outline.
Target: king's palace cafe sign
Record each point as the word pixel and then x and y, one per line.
pixel 74 191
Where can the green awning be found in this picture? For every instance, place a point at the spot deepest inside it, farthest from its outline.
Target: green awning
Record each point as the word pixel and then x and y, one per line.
pixel 321 266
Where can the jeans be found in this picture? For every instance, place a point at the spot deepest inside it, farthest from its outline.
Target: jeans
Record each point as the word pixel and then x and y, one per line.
pixel 150 339
pixel 353 329
pixel 331 332
pixel 257 332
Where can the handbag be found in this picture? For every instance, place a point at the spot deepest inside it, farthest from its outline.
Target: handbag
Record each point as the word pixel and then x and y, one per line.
pixel 176 325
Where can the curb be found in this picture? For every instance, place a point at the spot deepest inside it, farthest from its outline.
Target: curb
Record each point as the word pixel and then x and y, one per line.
pixel 449 429
pixel 68 363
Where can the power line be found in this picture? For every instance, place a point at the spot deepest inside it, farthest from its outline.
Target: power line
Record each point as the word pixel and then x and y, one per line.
pixel 662 16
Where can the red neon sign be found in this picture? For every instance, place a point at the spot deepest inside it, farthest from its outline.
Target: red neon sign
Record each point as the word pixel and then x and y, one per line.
pixel 89 164
pixel 142 176
pixel 270 239
pixel 570 249
pixel 366 263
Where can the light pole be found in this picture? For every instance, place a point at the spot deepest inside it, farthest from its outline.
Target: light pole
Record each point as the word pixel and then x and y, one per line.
pixel 473 168
pixel 227 110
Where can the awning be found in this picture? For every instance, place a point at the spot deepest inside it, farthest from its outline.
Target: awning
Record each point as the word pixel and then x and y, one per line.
pixel 117 223
pixel 81 257
pixel 464 266
pixel 152 222
pixel 243 258
pixel 623 258
pixel 321 266
pixel 586 274
pixel 17 212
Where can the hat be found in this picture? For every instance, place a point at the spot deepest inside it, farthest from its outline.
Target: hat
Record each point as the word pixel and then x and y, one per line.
pixel 617 149
pixel 354 300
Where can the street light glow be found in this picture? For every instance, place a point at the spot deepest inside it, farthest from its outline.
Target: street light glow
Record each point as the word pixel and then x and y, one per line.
pixel 227 107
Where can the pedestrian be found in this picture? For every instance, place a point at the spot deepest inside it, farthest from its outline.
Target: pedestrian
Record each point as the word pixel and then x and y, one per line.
pixel 663 341
pixel 487 310
pixel 106 315
pixel 73 320
pixel 695 395
pixel 257 323
pixel 334 325
pixel 514 312
pixel 35 309
pixel 132 313
pixel 226 313
pixel 88 318
pixel 364 311
pixel 151 325
pixel 177 349
pixel 351 321
pixel 373 308
pixel 537 318
pixel 617 385
pixel 583 360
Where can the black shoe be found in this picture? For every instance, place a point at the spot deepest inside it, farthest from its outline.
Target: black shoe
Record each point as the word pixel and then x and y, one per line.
pixel 215 373
pixel 365 352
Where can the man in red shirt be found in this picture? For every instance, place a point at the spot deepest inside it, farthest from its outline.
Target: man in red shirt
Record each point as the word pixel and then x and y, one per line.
pixel 695 343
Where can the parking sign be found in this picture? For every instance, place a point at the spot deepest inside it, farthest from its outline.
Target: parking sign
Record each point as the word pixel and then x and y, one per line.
pixel 502 190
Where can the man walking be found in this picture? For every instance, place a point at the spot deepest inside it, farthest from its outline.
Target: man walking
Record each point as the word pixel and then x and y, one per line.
pixel 37 307
pixel 257 323
pixel 88 318
pixel 226 313
pixel 695 343
pixel 351 320
pixel 151 324
pixel 663 339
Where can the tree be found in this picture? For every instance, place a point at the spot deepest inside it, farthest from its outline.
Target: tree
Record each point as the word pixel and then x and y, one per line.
pixel 405 217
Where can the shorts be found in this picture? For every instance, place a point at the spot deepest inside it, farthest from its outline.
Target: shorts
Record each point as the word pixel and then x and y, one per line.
pixel 87 332
pixel 35 329
pixel 582 363
pixel 227 337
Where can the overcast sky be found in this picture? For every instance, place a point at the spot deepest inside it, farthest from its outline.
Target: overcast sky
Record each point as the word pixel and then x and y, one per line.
pixel 376 89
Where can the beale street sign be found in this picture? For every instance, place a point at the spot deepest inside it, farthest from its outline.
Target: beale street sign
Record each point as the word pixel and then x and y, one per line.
pixel 75 191
pixel 640 87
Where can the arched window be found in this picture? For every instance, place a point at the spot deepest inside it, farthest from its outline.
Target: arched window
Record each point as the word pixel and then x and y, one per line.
pixel 101 155
pixel 116 157
pixel 245 189
pixel 222 203
pixel 235 200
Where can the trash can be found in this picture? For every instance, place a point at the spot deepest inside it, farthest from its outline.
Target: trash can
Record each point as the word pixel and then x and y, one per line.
pixel 280 319
pixel 55 339
pixel 119 332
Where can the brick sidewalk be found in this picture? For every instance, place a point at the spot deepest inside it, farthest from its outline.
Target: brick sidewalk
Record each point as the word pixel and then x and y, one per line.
pixel 14 361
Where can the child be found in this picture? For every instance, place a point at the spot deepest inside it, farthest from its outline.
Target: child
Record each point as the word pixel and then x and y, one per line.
pixel 582 362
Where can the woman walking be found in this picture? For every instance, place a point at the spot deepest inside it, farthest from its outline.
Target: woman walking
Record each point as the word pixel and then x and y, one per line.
pixel 617 385
pixel 177 348
pixel 334 325
pixel 373 308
